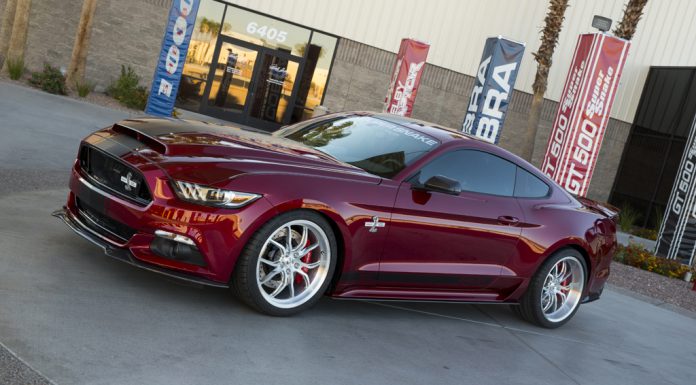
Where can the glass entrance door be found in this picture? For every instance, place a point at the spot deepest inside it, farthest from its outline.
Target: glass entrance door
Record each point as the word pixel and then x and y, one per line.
pixel 251 85
pixel 273 90
pixel 229 81
pixel 253 69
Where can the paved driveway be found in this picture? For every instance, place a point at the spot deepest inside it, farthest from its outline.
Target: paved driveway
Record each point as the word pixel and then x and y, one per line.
pixel 81 318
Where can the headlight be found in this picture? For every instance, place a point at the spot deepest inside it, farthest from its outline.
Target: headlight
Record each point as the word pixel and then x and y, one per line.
pixel 211 196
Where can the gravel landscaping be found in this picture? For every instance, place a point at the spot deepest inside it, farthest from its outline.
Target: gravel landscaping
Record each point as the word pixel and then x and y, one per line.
pixel 14 371
pixel 668 290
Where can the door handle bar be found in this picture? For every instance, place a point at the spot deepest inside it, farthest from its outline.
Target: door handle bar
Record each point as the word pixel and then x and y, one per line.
pixel 508 220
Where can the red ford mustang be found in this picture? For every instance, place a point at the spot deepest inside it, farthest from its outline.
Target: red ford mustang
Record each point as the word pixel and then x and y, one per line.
pixel 353 205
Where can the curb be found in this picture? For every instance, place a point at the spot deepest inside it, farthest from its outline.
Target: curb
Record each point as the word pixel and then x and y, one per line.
pixel 653 301
pixel 26 364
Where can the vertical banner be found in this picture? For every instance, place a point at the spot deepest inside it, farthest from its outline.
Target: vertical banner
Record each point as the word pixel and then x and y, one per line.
pixel 495 80
pixel 165 84
pixel 406 76
pixel 583 111
pixel 677 237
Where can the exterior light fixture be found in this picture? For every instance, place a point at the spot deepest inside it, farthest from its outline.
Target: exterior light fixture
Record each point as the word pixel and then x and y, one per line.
pixel 601 23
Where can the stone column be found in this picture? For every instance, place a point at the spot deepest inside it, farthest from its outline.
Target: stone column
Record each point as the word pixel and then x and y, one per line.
pixel 76 69
pixel 6 28
pixel 20 26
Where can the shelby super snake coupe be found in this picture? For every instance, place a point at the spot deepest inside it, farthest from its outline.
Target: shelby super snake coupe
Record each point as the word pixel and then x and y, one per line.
pixel 351 205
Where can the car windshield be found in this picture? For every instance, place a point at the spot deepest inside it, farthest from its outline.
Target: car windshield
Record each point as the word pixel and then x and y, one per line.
pixel 374 145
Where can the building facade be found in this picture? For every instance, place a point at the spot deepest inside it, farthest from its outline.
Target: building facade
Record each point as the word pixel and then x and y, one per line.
pixel 339 54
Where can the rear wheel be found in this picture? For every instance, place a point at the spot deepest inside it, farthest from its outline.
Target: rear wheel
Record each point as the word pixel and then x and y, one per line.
pixel 555 292
pixel 287 265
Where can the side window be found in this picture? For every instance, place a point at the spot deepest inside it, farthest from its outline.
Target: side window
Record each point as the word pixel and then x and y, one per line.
pixel 529 186
pixel 476 171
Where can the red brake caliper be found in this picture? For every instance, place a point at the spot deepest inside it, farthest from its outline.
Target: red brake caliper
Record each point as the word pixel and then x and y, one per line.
pixel 565 283
pixel 305 259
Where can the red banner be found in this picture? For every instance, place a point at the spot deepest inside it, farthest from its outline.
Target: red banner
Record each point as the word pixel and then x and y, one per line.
pixel 583 111
pixel 408 69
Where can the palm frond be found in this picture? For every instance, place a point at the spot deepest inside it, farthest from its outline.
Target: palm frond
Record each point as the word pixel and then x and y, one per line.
pixel 633 11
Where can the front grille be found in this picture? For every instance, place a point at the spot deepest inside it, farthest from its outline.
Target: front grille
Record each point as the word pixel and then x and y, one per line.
pixel 112 173
pixel 102 223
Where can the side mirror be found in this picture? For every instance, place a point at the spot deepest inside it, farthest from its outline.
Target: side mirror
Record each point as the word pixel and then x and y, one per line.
pixel 443 184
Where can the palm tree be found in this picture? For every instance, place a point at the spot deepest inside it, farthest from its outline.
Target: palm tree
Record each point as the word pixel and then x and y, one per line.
pixel 302 47
pixel 76 69
pixel 632 14
pixel 211 27
pixel 321 136
pixel 549 39
pixel 6 27
pixel 18 39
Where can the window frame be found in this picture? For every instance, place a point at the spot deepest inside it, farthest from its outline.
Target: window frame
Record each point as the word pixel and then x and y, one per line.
pixel 549 188
pixel 412 179
pixel 310 124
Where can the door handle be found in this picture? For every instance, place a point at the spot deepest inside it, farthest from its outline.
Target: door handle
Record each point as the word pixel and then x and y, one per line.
pixel 508 220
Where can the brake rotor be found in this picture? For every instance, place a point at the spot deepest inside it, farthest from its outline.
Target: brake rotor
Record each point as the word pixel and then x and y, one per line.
pixel 274 256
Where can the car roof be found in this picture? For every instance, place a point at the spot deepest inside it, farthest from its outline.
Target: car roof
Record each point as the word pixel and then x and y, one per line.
pixel 450 136
pixel 441 133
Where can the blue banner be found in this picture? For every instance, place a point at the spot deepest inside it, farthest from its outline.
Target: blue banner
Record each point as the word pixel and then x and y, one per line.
pixel 165 84
pixel 495 80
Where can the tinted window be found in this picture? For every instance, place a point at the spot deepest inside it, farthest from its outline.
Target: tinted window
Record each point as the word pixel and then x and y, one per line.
pixel 378 147
pixel 476 171
pixel 529 186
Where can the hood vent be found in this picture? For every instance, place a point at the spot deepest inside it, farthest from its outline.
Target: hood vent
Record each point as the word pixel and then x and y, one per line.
pixel 149 141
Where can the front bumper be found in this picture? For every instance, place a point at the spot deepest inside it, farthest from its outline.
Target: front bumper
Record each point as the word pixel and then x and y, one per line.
pixel 219 234
pixel 122 254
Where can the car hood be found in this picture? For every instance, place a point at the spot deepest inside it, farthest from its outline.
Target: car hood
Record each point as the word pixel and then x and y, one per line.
pixel 209 153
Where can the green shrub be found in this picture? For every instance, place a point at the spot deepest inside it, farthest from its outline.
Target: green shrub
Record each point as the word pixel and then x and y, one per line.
pixel 619 253
pixel 645 233
pixel 637 256
pixel 84 88
pixel 127 89
pixel 659 216
pixel 627 218
pixel 15 67
pixel 50 80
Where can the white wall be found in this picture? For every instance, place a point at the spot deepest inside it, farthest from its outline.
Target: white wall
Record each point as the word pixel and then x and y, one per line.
pixel 457 30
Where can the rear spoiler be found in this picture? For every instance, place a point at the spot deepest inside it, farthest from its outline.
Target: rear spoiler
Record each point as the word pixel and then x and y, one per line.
pixel 606 209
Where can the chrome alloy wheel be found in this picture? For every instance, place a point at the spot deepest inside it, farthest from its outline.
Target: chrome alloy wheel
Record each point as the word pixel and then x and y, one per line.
pixel 293 264
pixel 562 289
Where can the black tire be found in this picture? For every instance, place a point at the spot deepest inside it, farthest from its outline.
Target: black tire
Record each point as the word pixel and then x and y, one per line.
pixel 244 278
pixel 530 307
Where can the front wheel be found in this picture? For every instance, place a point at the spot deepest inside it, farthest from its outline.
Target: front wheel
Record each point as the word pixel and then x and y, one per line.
pixel 555 292
pixel 287 265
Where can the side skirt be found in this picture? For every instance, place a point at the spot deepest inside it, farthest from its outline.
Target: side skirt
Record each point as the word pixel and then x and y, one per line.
pixel 383 294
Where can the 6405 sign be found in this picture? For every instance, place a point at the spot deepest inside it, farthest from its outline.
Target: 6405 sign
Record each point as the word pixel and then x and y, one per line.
pixel 267 32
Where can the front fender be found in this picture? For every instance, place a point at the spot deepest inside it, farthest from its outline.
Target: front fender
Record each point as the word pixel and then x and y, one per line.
pixel 347 203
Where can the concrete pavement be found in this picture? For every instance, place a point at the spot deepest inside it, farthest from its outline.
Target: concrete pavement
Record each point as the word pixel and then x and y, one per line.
pixel 81 318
